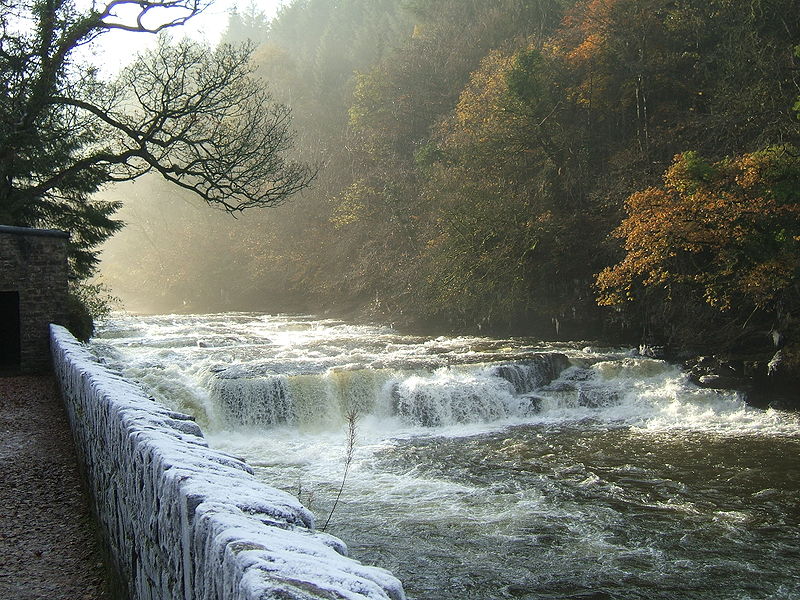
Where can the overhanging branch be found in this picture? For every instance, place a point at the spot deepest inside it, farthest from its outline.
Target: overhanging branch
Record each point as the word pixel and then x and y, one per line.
pixel 145 8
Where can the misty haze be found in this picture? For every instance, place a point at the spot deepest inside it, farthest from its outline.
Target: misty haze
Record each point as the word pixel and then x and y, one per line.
pixel 505 292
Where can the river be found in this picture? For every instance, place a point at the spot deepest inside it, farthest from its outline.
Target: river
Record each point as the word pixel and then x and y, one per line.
pixel 491 468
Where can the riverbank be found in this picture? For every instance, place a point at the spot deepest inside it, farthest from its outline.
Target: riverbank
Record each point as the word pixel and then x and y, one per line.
pixel 46 531
pixel 766 380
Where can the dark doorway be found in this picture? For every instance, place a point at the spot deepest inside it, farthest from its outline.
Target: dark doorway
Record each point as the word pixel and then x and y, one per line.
pixel 9 330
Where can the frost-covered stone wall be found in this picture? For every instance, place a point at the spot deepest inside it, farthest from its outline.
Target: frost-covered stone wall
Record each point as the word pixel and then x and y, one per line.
pixel 184 521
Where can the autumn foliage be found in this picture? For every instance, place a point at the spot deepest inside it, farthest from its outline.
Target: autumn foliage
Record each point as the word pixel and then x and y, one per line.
pixel 728 231
pixel 477 156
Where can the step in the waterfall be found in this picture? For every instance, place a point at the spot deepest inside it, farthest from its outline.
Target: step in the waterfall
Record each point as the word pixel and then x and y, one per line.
pixel 255 395
pixel 532 373
pixel 580 387
pixel 253 401
pixel 496 392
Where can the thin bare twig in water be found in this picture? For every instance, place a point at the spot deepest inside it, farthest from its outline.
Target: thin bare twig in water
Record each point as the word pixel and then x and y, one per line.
pixel 352 419
pixel 309 499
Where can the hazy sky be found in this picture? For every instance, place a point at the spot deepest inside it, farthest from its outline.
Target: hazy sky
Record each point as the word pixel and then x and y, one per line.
pixel 116 49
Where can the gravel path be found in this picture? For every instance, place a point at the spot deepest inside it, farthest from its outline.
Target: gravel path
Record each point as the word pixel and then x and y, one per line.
pixel 47 544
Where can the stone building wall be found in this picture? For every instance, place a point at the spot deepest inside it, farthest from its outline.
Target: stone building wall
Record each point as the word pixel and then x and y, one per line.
pixel 33 266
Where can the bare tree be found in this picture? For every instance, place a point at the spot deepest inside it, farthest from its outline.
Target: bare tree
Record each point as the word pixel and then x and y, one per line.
pixel 199 119
pixel 195 115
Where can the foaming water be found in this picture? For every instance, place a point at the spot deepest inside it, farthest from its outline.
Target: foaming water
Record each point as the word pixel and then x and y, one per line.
pixel 492 468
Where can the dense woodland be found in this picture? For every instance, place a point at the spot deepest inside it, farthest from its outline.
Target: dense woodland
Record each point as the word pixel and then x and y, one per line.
pixel 618 169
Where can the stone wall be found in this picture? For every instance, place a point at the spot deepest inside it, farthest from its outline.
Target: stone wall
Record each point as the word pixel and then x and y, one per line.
pixel 33 263
pixel 184 521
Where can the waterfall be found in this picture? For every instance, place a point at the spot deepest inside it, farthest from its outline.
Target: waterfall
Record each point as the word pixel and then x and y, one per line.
pixel 253 402
pixel 528 375
pixel 465 394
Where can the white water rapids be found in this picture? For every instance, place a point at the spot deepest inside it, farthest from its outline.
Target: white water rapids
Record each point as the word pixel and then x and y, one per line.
pixel 489 468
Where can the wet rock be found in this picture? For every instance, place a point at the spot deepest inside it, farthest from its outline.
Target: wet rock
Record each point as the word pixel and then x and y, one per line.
pixel 720 382
pixel 652 351
pixel 718 373
pixel 708 380
pixel 532 373
pixel 597 397
pixel 534 404
pixel 705 362
pixel 559 387
pixel 765 380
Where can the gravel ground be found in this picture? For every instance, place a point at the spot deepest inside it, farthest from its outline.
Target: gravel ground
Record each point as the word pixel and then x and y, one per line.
pixel 47 544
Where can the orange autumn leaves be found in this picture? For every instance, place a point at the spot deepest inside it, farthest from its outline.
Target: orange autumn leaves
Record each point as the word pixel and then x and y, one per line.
pixel 729 231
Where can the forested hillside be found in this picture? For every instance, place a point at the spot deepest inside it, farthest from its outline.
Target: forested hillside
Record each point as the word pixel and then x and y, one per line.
pixel 601 168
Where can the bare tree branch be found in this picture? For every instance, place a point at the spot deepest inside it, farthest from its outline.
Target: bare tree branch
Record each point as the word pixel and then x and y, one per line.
pixel 201 121
pixel 195 115
pixel 164 14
